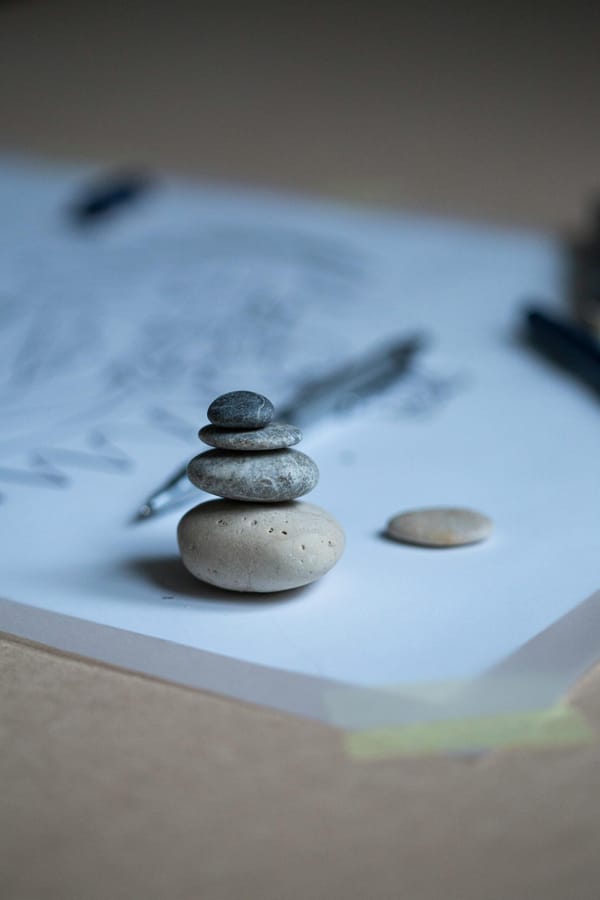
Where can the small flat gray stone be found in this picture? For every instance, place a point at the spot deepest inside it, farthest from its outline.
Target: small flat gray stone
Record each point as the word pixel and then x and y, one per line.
pixel 267 476
pixel 444 526
pixel 259 547
pixel 272 437
pixel 241 409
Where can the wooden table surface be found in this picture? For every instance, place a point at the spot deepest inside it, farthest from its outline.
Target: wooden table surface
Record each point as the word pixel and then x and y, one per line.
pixel 116 786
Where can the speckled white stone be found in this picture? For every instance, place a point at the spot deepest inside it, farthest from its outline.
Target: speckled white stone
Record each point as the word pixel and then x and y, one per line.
pixel 259 548
pixel 444 526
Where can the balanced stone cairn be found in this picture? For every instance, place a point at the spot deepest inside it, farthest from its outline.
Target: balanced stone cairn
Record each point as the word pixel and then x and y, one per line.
pixel 257 538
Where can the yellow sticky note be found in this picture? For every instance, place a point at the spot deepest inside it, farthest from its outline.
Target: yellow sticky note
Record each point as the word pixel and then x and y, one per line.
pixel 559 725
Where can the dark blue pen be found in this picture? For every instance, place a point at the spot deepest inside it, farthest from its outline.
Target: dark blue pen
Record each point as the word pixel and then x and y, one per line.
pixel 108 195
pixel 568 345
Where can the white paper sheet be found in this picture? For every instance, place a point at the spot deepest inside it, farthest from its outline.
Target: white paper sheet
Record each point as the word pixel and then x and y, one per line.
pixel 115 339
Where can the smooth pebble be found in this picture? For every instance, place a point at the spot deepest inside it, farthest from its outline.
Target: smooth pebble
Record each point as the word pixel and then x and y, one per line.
pixel 450 526
pixel 268 476
pixel 275 436
pixel 258 548
pixel 241 409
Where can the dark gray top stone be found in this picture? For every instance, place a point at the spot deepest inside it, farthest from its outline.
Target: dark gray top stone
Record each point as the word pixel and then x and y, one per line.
pixel 272 437
pixel 265 476
pixel 241 409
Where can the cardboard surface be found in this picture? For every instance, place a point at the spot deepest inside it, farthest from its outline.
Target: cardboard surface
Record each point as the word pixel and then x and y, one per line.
pixel 117 786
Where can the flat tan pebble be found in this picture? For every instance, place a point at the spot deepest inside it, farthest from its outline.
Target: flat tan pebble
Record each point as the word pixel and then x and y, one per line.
pixel 444 526
pixel 257 548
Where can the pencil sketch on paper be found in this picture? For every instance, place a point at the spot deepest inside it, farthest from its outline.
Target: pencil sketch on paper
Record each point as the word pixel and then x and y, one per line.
pixel 152 326
pixel 113 342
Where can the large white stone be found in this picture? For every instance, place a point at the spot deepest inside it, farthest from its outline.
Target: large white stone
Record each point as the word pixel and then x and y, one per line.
pixel 259 548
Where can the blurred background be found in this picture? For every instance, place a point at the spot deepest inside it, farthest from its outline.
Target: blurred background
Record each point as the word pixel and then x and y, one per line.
pixel 482 110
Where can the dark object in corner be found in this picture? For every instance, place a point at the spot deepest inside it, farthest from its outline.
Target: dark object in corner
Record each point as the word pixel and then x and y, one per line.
pixel 585 275
pixel 568 345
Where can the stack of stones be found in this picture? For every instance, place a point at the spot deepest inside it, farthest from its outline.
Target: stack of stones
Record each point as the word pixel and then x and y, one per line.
pixel 257 538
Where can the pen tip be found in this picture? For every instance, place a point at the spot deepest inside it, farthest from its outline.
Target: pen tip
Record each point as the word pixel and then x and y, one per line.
pixel 144 512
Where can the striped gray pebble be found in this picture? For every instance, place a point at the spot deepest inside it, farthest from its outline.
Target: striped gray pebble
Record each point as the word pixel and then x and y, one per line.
pixel 267 476
pixel 272 437
pixel 444 526
pixel 241 409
